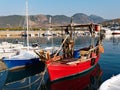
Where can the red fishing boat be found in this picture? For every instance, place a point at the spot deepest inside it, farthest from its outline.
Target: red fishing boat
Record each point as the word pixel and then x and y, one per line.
pixel 72 62
pixel 90 80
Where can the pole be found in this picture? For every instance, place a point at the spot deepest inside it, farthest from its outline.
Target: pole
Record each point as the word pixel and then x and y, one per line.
pixel 27 22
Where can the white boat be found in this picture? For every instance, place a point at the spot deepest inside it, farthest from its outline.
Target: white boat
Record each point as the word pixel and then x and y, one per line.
pixel 111 84
pixel 47 33
pixel 22 59
pixel 116 32
pixel 26 55
pixel 9 49
pixel 107 31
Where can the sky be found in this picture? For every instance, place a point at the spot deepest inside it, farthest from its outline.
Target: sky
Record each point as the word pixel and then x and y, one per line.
pixel 108 9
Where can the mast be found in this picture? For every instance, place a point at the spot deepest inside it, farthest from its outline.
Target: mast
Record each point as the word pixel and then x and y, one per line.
pixel 27 22
pixel 50 28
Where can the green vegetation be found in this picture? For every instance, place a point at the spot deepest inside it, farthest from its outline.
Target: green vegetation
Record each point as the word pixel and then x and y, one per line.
pixel 20 29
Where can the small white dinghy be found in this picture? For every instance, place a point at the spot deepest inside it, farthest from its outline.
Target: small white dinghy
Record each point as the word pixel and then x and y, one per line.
pixel 111 84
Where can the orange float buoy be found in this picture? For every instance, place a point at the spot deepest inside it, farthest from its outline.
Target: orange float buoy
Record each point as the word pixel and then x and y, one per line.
pixel 101 49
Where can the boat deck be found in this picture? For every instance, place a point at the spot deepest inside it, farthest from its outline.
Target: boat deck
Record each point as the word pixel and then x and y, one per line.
pixel 70 61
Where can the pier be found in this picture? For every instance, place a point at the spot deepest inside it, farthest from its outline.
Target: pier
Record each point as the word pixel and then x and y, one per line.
pixel 20 33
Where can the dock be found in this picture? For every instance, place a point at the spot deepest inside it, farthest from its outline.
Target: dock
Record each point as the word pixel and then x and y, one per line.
pixel 20 33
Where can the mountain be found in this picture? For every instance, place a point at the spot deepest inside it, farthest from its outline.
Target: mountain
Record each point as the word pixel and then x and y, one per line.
pixel 111 22
pixel 97 19
pixel 43 20
pixel 10 21
pixel 81 18
pixel 60 19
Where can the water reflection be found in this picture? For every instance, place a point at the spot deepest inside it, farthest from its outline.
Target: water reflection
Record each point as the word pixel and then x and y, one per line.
pixel 3 77
pixel 28 78
pixel 32 78
pixel 114 39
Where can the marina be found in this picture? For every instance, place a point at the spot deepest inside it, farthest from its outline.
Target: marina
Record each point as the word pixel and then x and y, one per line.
pixel 49 48
pixel 109 65
pixel 18 34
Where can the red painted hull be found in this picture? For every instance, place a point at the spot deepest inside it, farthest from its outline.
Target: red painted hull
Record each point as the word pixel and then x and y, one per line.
pixel 60 70
pixel 90 77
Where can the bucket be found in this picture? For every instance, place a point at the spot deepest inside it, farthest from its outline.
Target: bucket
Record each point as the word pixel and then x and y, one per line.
pixel 76 54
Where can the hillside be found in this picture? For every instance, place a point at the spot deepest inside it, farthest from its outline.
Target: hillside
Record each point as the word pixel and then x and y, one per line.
pixel 111 22
pixel 43 20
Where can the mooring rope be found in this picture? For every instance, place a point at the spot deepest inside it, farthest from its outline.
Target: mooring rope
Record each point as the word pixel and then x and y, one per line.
pixel 42 81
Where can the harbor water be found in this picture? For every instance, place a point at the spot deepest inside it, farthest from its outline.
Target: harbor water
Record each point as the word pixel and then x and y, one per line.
pixel 35 77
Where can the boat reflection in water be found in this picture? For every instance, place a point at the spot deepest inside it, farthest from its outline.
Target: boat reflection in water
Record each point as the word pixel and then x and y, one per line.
pixel 3 77
pixel 89 80
pixel 25 79
pixel 34 78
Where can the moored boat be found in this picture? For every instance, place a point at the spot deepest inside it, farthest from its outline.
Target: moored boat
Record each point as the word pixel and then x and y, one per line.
pixel 86 81
pixel 48 33
pixel 9 49
pixel 106 31
pixel 111 84
pixel 24 58
pixel 116 32
pixel 72 62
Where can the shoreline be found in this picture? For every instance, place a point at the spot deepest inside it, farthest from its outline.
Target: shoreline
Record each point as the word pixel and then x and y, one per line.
pixel 14 34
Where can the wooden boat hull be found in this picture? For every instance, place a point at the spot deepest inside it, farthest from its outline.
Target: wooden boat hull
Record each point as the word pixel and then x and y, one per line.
pixel 92 77
pixel 61 70
pixel 16 64
pixel 22 59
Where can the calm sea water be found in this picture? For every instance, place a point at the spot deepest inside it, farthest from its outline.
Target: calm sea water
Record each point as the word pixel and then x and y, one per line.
pixel 31 77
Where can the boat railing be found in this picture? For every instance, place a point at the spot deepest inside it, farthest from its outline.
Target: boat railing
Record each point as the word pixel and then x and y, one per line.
pixel 89 53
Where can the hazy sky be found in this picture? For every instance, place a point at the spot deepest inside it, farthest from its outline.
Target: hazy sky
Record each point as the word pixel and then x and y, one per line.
pixel 108 9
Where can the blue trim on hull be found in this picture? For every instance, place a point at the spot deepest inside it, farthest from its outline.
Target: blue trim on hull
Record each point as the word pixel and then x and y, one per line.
pixel 17 63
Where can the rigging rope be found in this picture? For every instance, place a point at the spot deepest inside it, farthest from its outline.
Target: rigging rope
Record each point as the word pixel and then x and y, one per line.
pixel 61 45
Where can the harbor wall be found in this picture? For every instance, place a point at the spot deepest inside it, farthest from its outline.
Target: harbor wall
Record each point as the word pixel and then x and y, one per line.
pixel 20 33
